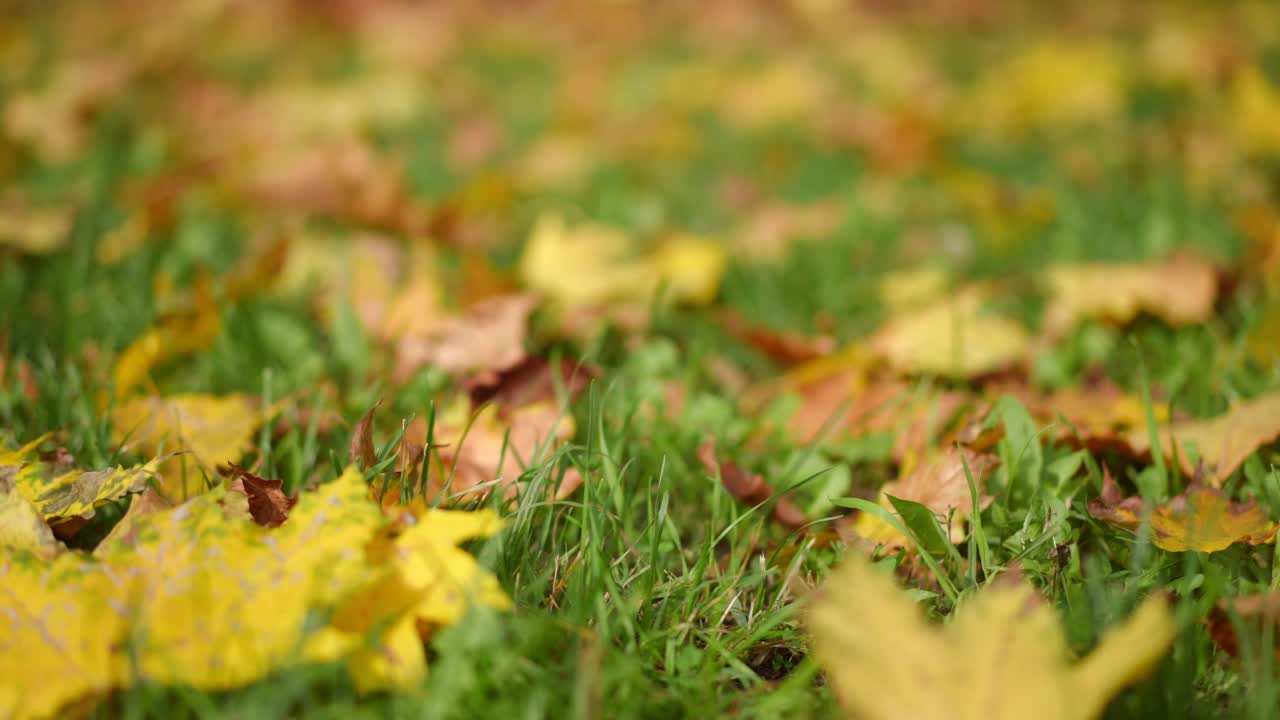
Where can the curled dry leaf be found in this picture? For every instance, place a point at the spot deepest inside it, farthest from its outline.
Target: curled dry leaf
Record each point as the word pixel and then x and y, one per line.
pixel 1179 290
pixel 534 379
pixel 362 451
pixel 749 488
pixel 268 505
pixel 1003 655
pixel 952 338
pixel 942 486
pixel 1113 507
pixel 488 337
pixel 1202 519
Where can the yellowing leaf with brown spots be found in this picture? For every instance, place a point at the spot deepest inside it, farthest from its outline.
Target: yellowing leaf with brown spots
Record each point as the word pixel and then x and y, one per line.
pixel 209 430
pixel 1179 290
pixel 1002 656
pixel 955 337
pixel 1205 520
pixel 1201 520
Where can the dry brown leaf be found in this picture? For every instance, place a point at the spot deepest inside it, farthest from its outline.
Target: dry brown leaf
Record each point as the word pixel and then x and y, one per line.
pixel 268 505
pixel 783 347
pixel 1223 442
pixel 1179 290
pixel 942 486
pixel 749 488
pixel 362 451
pixel 1254 612
pixel 489 337
pixel 1113 507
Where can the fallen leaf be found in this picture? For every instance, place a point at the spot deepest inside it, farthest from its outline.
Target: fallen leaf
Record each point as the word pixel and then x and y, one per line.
pixel 783 347
pixel 179 335
pixel 65 496
pixel 593 264
pixel 362 451
pixel 209 601
pixel 941 486
pixel 1253 613
pixel 1223 442
pixel 488 337
pixel 1202 519
pixel 21 525
pixel 37 231
pixel 210 430
pixel 914 287
pixel 1179 290
pixel 268 505
pixel 749 488
pixel 1205 520
pixel 768 232
pixel 534 379
pixel 1002 656
pixel 952 338
pixel 1113 507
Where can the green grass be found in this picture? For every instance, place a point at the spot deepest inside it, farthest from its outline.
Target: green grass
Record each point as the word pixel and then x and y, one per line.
pixel 652 593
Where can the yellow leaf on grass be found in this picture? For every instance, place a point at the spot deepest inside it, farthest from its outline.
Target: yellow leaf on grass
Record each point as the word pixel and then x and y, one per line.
pixel 942 486
pixel 1048 84
pixel 60 635
pixel 38 231
pixel 1179 290
pixel 1200 520
pixel 210 430
pixel 955 337
pixel 1222 443
pixel 1255 107
pixel 176 336
pixel 201 596
pixel 1003 656
pixel 592 264
pixel 21 526
pixel 1205 520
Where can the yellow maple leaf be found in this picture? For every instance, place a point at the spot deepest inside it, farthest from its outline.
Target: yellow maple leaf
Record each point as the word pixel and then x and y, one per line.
pixel 1205 520
pixel 58 634
pixel 199 595
pixel 21 525
pixel 1003 656
pixel 954 337
pixel 1179 290
pixel 591 264
pixel 212 430
pixel 1202 519
pixel 1049 84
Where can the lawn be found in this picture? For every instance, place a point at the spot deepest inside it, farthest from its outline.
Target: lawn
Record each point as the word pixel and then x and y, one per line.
pixel 619 359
